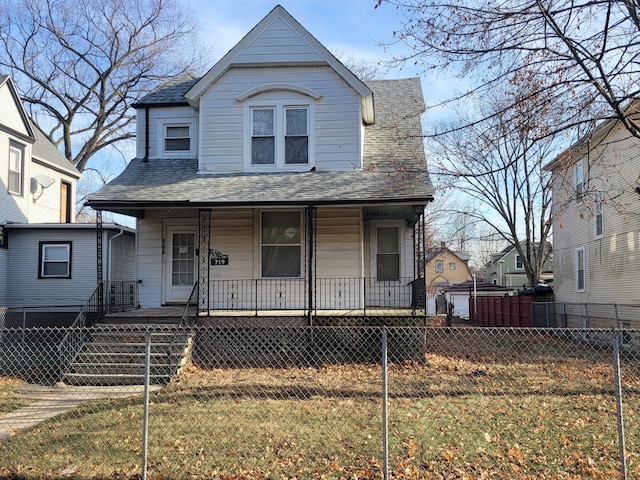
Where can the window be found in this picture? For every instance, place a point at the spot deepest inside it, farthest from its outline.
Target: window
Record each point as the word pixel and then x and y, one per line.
pixel 3 237
pixel 452 265
pixel 439 266
pixel 281 244
pixel 65 202
pixel 55 260
pixel 176 137
pixel 597 206
pixel 580 270
pixel 388 253
pixel 279 136
pixel 519 265
pixel 16 168
pixel 578 179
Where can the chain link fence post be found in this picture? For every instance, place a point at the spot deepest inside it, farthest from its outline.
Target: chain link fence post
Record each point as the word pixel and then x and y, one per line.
pixel 385 407
pixel 617 340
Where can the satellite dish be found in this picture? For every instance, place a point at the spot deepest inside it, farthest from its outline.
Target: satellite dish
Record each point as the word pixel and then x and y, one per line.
pixel 44 181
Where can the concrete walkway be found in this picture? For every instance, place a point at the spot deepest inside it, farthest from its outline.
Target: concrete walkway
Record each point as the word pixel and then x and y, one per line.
pixel 52 401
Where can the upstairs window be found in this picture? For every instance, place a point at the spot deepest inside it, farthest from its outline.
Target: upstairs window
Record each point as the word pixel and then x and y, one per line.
pixel 519 265
pixel 439 266
pixel 578 180
pixel 55 260
pixel 16 168
pixel 177 137
pixel 452 265
pixel 279 137
pixel 597 206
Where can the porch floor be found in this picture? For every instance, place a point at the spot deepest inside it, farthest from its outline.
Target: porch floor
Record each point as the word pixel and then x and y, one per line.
pixel 167 312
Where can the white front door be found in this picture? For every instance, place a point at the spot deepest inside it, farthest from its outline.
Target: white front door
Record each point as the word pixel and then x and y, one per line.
pixel 180 268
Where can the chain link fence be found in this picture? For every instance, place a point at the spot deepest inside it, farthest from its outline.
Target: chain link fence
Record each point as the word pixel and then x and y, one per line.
pixel 319 402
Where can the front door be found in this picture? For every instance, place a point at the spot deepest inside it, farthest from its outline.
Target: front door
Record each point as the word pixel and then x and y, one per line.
pixel 180 271
pixel 386 288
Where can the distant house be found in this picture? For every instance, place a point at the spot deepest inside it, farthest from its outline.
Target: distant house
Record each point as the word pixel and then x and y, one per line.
pixel 507 270
pixel 278 180
pixel 445 268
pixel 46 259
pixel 461 295
pixel 596 225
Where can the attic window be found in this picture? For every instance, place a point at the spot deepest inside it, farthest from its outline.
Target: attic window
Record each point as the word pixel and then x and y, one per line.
pixel 279 136
pixel 177 138
pixel 578 179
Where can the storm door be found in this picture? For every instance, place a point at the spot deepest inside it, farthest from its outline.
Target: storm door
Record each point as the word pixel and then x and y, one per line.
pixel 180 271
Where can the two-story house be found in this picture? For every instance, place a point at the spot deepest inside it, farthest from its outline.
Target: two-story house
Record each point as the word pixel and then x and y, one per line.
pixel 506 269
pixel 445 268
pixel 278 180
pixel 596 226
pixel 45 258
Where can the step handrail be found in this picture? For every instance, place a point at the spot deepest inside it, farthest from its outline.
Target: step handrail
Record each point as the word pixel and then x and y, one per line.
pixel 75 338
pixel 189 313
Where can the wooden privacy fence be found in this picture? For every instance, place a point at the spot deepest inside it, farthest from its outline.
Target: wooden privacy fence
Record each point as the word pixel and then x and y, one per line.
pixel 502 311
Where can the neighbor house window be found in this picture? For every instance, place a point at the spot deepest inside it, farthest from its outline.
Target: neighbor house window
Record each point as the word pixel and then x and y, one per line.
pixel 597 206
pixel 279 136
pixel 580 270
pixel 578 180
pixel 439 266
pixel 452 265
pixel 3 237
pixel 519 265
pixel 16 168
pixel 55 260
pixel 281 244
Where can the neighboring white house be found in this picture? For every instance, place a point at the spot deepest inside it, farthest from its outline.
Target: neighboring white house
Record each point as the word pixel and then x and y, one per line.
pixel 278 177
pixel 47 260
pixel 596 220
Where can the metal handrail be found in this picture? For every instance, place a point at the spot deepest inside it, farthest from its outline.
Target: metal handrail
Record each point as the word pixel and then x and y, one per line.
pixel 188 314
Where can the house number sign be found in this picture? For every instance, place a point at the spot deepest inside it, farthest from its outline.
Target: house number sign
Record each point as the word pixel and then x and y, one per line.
pixel 218 258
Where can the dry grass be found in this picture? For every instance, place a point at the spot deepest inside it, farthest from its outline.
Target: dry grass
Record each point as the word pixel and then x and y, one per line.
pixel 470 411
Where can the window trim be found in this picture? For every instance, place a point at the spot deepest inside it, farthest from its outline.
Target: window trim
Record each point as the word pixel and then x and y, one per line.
pixel 580 251
pixel 279 108
pixel 578 180
pixel 20 149
pixel 163 124
pixel 41 258
pixel 598 205
pixel 439 266
pixel 301 243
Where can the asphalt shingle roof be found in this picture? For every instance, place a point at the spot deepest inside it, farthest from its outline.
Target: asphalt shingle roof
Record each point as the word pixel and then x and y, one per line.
pixel 394 166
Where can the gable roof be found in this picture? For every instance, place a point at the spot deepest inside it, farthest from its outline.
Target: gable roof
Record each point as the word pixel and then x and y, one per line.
pixel 46 153
pixel 281 28
pixel 394 170
pixel 28 133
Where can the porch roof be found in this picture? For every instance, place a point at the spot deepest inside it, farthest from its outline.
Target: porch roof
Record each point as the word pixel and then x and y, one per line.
pixel 394 170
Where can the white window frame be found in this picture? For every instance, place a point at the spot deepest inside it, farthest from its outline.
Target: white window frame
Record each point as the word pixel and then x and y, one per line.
pixel 15 148
pixel 518 262
pixel 580 252
pixel 598 204
pixel 163 125
pixel 43 259
pixel 301 243
pixel 578 180
pixel 279 108
pixel 439 266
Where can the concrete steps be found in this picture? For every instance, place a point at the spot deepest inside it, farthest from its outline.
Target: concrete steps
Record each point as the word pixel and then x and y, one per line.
pixel 115 354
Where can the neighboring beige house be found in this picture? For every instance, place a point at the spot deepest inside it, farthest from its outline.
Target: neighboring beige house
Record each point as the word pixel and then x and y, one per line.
pixel 596 218
pixel 278 180
pixel 445 268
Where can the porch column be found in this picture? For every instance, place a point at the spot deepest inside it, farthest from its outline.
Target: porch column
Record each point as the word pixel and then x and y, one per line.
pixel 99 260
pixel 204 247
pixel 311 261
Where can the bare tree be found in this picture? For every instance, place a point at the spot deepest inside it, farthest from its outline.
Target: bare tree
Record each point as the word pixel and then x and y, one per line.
pixel 80 64
pixel 498 165
pixel 583 57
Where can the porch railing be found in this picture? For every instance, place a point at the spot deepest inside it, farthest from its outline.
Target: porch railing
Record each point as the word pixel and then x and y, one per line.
pixel 108 297
pixel 358 295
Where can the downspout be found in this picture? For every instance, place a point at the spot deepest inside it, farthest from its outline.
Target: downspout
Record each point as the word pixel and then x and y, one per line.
pixel 146 135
